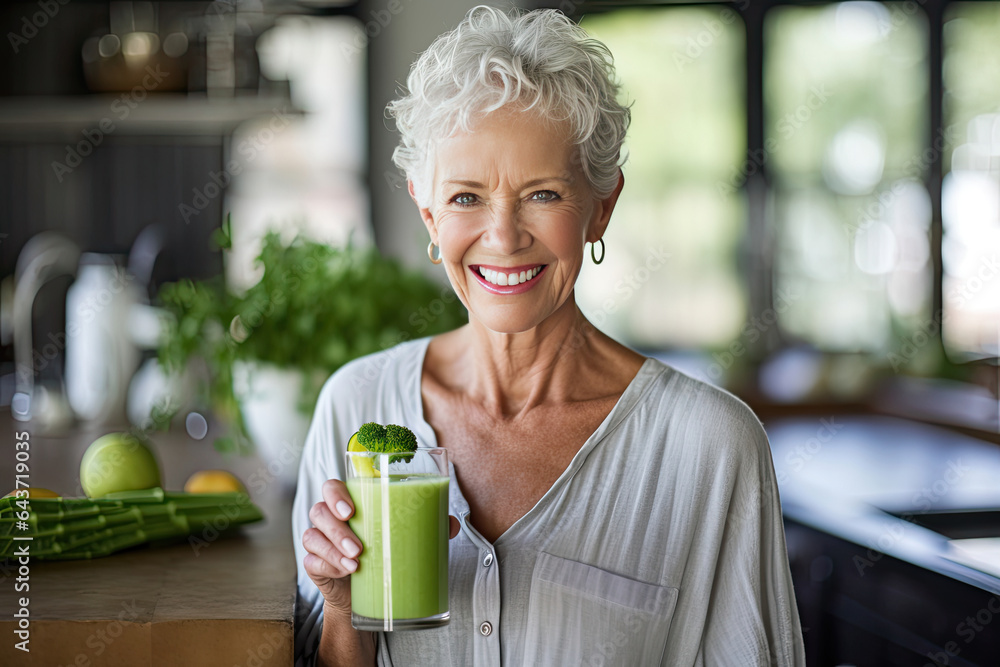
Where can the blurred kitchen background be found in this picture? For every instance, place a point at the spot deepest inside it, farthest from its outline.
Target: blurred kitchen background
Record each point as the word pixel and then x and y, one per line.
pixel 811 219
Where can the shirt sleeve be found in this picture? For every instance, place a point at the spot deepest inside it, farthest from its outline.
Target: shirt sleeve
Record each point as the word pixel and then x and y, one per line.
pixel 312 474
pixel 337 415
pixel 752 617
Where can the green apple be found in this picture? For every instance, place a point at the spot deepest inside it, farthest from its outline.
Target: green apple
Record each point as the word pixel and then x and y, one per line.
pixel 118 462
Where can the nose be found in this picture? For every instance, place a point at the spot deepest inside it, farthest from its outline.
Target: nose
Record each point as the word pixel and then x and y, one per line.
pixel 506 233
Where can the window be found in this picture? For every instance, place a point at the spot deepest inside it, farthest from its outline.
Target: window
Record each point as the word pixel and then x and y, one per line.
pixel 971 188
pixel 669 277
pixel 844 156
pixel 302 173
pixel 845 101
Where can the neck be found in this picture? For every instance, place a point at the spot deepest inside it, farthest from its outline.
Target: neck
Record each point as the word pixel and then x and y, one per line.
pixel 511 373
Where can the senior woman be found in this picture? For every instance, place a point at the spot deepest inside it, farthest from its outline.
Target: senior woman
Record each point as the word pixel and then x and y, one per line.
pixel 608 510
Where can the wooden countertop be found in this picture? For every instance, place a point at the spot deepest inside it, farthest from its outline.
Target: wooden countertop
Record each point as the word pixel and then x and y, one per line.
pixel 227 601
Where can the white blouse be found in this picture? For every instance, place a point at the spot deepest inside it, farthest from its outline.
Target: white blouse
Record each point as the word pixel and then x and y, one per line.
pixel 660 544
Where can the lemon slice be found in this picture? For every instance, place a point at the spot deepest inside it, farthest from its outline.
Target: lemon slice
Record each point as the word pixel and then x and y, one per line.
pixel 362 464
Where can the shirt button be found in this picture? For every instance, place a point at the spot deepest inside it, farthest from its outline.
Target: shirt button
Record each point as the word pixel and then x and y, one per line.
pixel 488 560
pixel 485 629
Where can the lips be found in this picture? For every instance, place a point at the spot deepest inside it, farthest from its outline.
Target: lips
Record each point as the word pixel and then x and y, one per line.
pixel 507 280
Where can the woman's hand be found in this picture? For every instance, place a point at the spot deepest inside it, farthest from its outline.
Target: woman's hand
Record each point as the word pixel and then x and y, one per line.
pixel 334 548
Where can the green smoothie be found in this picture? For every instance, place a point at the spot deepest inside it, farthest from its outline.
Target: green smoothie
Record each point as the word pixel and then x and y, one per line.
pixel 418 546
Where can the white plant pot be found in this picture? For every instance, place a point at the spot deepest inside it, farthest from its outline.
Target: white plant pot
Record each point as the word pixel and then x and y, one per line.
pixel 268 397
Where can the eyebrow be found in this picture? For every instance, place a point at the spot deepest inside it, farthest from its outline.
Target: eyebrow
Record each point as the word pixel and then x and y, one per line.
pixel 529 184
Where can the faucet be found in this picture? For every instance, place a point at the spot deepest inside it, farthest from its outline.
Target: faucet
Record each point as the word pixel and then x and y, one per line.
pixel 45 256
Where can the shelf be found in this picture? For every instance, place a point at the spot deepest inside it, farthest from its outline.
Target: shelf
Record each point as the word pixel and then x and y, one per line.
pixel 31 118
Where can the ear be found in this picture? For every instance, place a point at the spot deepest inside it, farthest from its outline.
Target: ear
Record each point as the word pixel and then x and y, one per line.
pixel 425 213
pixel 602 211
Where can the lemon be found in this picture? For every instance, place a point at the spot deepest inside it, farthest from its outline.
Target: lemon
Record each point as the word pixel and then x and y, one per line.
pixel 36 492
pixel 214 481
pixel 362 464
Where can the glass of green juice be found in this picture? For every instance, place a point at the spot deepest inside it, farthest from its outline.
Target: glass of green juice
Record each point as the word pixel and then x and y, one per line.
pixel 401 518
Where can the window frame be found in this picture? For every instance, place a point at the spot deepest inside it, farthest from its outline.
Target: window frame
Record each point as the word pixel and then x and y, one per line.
pixel 759 185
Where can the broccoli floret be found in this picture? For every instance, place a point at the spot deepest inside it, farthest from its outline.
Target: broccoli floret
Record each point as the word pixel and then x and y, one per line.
pixel 371 436
pixel 389 439
pixel 399 439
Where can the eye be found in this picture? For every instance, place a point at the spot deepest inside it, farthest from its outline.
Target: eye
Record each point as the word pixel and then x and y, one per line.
pixel 464 199
pixel 544 196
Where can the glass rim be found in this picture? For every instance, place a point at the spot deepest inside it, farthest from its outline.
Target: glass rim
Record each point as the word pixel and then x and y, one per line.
pixel 418 450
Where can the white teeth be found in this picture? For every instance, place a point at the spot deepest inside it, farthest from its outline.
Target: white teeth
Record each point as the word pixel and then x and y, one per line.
pixel 505 279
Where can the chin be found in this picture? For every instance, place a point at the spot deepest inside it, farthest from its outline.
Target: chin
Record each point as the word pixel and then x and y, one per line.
pixel 497 321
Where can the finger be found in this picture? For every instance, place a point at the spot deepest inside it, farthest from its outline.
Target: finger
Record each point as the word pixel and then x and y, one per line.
pixel 453 527
pixel 338 499
pixel 316 543
pixel 319 569
pixel 336 531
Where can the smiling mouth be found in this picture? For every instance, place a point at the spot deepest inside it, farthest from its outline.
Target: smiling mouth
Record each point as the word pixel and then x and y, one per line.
pixel 505 278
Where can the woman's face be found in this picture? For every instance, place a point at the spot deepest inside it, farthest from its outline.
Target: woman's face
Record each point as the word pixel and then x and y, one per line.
pixel 511 211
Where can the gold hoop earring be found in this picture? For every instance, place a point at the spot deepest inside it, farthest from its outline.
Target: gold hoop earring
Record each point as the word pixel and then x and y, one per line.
pixel 430 253
pixel 593 255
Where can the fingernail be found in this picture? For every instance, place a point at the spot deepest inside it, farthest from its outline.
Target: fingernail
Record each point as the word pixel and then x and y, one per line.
pixel 349 547
pixel 343 509
pixel 349 564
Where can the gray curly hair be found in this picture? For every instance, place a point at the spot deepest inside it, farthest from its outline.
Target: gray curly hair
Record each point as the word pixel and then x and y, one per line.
pixel 541 59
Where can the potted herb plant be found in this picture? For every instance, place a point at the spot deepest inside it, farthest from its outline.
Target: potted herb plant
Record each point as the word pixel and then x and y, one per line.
pixel 269 349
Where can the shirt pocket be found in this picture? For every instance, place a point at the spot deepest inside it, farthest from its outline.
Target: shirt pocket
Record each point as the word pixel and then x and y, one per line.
pixel 579 614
